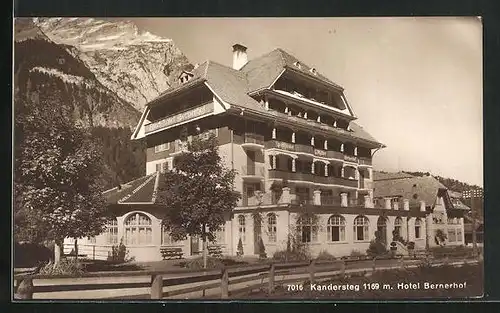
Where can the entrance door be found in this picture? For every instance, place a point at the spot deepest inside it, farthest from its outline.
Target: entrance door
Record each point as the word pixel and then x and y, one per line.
pixel 382 228
pixel 195 245
pixel 257 234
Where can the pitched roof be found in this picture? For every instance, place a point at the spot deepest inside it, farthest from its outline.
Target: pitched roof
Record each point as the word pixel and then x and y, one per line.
pixel 377 175
pixel 140 190
pixel 415 189
pixel 262 71
pixel 233 86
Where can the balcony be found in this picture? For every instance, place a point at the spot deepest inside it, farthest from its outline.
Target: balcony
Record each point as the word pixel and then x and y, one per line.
pixel 302 201
pixel 364 162
pixel 302 148
pixel 254 172
pixel 253 141
pixel 181 117
pixel 309 177
pixel 350 158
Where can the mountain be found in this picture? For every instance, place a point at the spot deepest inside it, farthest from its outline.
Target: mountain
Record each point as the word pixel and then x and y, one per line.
pixel 450 183
pixel 137 66
pixel 43 68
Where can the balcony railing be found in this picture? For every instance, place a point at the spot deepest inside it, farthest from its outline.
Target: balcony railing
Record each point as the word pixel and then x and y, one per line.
pixel 180 117
pixel 365 161
pixel 329 180
pixel 304 148
pixel 350 158
pixel 331 200
pixel 254 138
pixel 254 170
pixel 301 201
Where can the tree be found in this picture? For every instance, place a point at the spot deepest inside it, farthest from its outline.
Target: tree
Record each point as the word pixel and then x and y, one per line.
pixel 198 194
pixel 56 169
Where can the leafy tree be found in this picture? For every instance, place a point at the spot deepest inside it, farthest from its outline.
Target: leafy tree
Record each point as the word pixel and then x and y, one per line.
pixel 56 169
pixel 198 194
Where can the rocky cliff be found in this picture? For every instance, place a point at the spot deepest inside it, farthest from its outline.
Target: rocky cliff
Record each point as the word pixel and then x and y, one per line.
pixel 136 65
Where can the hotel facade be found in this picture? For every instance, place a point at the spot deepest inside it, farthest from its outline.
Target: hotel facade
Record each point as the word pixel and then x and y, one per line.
pixel 302 161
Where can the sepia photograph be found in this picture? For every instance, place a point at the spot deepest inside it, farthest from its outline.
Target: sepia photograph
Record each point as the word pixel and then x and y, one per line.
pixel 247 159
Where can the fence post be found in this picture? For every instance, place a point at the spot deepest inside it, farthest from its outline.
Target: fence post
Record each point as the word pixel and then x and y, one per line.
pixel 374 264
pixel 311 272
pixel 156 286
pixel 402 262
pixel 25 289
pixel 224 283
pixel 342 268
pixel 93 252
pixel 271 278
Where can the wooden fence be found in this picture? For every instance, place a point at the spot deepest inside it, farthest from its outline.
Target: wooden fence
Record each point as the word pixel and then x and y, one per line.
pixel 255 276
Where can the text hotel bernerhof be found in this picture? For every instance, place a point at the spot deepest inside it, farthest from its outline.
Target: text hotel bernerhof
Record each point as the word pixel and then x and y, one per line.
pixel 377 286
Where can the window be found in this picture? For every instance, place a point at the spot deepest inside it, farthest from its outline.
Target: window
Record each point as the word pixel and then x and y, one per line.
pixel 336 228
pixel 398 224
pixel 138 230
pixel 162 147
pixel 241 227
pixel 452 236
pixel 92 240
pixel 112 232
pixel 166 238
pixel 418 228
pixel 459 234
pixel 220 235
pixel 361 228
pixel 271 227
pixel 307 229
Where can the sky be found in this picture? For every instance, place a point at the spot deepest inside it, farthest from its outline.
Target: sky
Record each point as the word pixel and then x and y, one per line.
pixel 415 83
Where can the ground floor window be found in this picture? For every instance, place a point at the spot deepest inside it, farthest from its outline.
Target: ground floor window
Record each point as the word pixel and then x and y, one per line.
pixel 361 228
pixel 454 235
pixel 112 232
pixel 220 235
pixel 138 229
pixel 166 237
pixel 336 228
pixel 398 224
pixel 241 227
pixel 307 229
pixel 271 227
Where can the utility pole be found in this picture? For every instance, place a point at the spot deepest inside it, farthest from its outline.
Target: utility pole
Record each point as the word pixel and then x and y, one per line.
pixel 473 195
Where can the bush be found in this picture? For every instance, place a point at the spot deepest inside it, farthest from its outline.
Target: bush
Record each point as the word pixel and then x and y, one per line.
pixel 64 267
pixel 119 253
pixel 30 254
pixel 377 246
pixel 239 252
pixel 356 253
pixel 197 264
pixel 411 245
pixel 325 256
pixel 291 256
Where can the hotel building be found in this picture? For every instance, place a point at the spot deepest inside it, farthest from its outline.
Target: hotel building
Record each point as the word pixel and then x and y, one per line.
pixel 291 135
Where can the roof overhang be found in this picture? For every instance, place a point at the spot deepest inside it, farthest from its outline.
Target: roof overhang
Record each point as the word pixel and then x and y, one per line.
pixel 312 77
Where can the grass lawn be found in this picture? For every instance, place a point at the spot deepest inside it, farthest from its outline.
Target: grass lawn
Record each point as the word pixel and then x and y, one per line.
pixel 392 284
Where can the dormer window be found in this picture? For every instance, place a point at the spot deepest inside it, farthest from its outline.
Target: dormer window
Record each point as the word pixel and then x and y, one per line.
pixel 297 64
pixel 185 76
pixel 313 70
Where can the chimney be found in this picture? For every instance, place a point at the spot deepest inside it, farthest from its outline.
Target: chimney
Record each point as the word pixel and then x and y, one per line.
pixel 239 56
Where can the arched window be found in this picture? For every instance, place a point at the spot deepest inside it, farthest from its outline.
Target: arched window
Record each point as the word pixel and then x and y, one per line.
pixel 398 224
pixel 241 229
pixel 138 230
pixel 307 229
pixel 361 228
pixel 271 227
pixel 418 228
pixel 336 228
pixel 112 232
